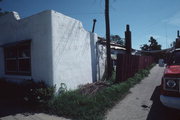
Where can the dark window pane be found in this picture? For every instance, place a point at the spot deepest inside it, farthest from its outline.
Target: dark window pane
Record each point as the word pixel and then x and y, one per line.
pixel 11 52
pixel 24 65
pixel 177 58
pixel 17 59
pixel 11 65
pixel 24 51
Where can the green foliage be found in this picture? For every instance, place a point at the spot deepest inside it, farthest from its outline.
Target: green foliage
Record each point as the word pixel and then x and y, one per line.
pixel 145 47
pixel 152 46
pixel 82 107
pixel 117 39
pixel 38 93
pixel 3 13
pixel 74 105
pixel 71 103
pixel 113 78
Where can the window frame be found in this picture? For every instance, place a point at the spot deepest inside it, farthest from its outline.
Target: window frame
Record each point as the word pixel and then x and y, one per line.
pixel 17 46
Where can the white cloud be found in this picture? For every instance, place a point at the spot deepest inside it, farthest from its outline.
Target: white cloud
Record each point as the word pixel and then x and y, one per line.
pixel 174 20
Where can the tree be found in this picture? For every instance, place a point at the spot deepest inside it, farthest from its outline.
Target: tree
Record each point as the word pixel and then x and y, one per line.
pixel 117 39
pixel 152 46
pixel 2 13
pixel 0 8
pixel 145 47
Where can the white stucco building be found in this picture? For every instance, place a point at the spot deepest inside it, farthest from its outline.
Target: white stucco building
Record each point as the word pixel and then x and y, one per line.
pixel 49 47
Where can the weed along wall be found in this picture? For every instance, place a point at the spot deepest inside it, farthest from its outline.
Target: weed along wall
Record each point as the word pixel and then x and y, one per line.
pixel 49 47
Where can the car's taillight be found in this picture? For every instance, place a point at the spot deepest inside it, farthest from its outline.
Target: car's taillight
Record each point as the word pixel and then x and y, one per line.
pixel 171 84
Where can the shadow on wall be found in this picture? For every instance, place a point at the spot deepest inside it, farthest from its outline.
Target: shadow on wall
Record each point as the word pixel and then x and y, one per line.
pixel 98 53
pixel 93 57
pixel 160 112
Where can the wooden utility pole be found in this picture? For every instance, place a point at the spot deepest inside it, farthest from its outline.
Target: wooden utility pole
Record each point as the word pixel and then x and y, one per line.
pixel 109 68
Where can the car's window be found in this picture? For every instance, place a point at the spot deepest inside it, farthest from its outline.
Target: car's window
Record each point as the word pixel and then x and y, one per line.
pixel 176 58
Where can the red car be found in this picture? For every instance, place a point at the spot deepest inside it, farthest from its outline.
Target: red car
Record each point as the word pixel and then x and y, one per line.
pixel 170 85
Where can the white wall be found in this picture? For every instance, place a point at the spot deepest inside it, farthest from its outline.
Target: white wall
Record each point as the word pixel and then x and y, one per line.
pixel 101 60
pixel 37 28
pixel 62 51
pixel 73 52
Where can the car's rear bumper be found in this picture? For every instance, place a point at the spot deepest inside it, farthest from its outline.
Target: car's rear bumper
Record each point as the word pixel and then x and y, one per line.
pixel 172 102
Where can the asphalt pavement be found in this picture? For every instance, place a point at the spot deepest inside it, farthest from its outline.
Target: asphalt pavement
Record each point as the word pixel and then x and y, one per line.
pixel 143 102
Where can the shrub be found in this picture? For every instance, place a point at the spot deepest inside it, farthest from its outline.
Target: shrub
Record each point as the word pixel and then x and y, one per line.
pixel 38 93
pixel 73 104
pixel 83 107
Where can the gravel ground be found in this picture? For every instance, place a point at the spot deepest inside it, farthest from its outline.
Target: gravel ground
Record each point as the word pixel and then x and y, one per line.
pixel 36 116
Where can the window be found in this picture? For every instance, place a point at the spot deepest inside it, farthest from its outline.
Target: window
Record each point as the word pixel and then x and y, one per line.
pixel 176 58
pixel 18 58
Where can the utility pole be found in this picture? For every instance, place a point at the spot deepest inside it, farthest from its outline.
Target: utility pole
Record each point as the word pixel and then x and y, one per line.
pixel 94 23
pixel 109 68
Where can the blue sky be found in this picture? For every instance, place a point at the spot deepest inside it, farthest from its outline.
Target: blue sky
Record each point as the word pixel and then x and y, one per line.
pixel 157 18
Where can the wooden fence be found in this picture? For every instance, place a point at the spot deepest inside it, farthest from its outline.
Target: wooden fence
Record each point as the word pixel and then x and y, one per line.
pixel 128 65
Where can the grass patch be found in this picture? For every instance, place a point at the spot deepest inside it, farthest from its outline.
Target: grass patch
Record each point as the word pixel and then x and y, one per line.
pixel 83 107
